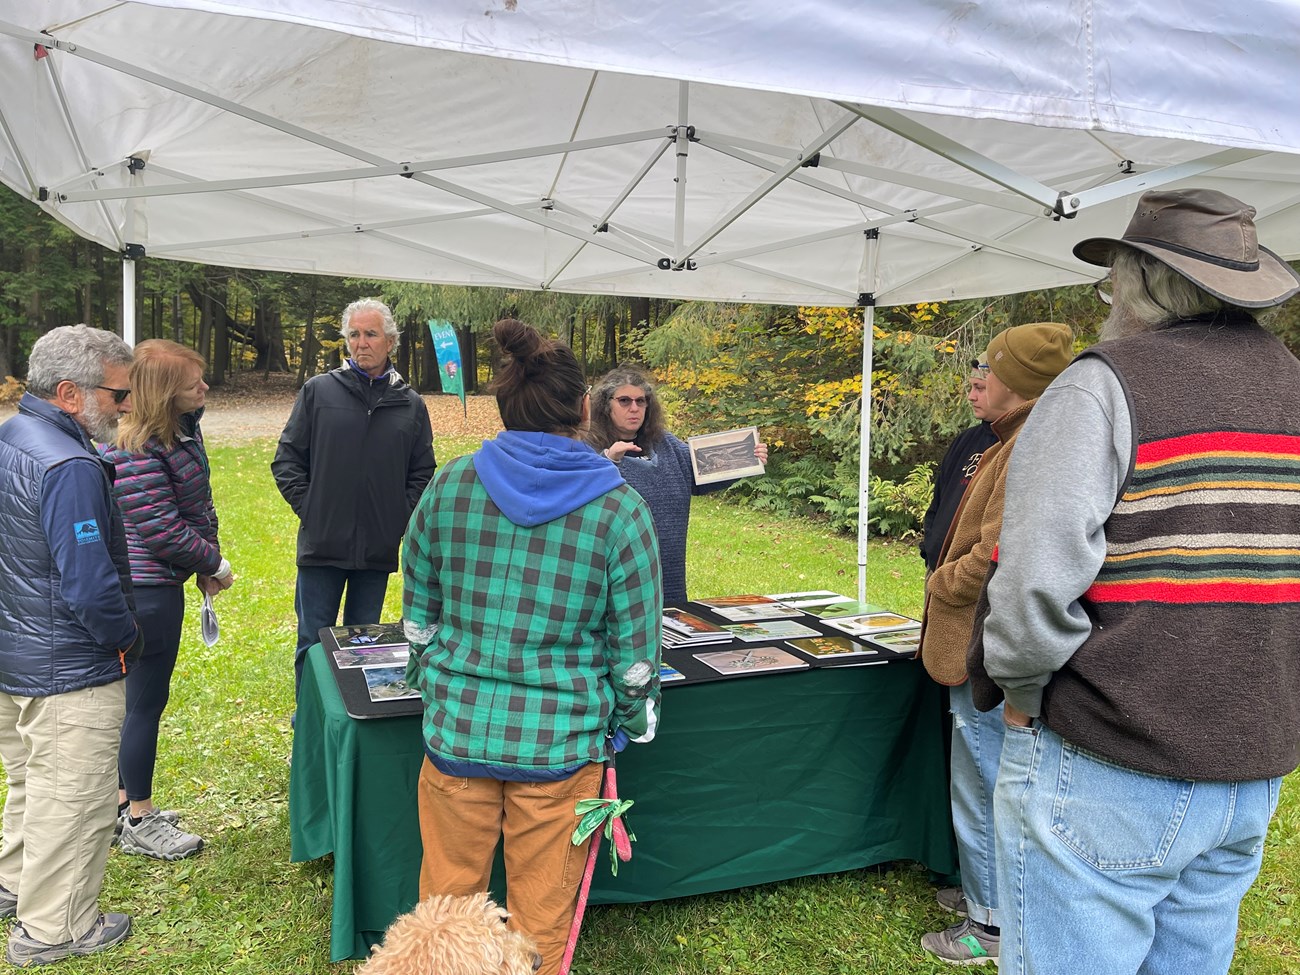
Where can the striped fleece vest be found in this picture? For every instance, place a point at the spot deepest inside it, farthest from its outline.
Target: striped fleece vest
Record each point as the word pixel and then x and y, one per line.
pixel 1193 666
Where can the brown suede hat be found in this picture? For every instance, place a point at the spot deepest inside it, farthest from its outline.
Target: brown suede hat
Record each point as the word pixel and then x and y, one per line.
pixel 1209 238
pixel 1028 357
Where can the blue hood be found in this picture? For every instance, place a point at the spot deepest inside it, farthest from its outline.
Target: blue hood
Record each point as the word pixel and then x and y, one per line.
pixel 538 477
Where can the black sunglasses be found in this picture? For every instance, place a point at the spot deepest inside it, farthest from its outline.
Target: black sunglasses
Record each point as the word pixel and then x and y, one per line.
pixel 118 394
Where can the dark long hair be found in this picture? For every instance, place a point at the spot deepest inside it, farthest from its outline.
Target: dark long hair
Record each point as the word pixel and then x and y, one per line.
pixel 602 432
pixel 539 385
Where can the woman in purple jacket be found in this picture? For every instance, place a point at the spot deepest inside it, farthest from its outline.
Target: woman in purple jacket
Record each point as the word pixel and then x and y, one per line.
pixel 165 494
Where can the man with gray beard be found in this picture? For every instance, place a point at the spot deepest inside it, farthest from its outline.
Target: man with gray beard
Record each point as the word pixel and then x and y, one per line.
pixel 1144 605
pixel 67 635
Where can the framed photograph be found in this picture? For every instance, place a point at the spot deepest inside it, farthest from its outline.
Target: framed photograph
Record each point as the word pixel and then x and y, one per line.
pixel 724 456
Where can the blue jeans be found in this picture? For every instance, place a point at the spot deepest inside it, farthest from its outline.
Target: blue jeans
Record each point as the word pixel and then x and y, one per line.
pixel 976 751
pixel 317 597
pixel 1105 870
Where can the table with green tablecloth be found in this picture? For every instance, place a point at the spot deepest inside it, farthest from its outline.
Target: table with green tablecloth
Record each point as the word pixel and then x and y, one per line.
pixel 750 780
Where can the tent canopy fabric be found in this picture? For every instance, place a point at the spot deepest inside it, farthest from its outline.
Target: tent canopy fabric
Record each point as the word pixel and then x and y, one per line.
pixel 724 151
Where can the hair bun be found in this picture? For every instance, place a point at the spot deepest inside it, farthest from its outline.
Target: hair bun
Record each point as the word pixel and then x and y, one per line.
pixel 517 340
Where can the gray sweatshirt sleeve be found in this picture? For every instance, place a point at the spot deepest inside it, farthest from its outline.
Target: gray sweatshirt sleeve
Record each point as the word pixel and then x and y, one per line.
pixel 1063 480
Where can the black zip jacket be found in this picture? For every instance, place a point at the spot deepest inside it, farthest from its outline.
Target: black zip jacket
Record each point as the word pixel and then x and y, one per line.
pixel 352 462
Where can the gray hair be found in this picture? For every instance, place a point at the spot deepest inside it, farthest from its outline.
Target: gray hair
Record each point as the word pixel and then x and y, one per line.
pixel 1152 292
pixel 372 304
pixel 77 353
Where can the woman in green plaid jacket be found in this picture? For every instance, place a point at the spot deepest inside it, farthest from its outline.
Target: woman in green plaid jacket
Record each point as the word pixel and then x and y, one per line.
pixel 532 602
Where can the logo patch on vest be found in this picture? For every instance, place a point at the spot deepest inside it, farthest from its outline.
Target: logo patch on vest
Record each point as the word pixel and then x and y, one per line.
pixel 86 531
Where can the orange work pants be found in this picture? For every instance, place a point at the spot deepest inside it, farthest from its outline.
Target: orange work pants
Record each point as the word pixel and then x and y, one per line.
pixel 461 821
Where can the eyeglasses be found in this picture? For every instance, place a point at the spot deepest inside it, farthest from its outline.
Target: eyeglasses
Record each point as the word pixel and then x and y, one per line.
pixel 119 395
pixel 626 401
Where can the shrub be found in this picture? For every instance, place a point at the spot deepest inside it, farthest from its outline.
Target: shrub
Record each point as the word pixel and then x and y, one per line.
pixel 897 508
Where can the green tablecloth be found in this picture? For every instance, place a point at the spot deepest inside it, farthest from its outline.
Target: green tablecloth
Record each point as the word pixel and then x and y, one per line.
pixel 750 780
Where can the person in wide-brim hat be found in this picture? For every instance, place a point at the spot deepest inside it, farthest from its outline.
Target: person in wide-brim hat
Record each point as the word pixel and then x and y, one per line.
pixel 1209 238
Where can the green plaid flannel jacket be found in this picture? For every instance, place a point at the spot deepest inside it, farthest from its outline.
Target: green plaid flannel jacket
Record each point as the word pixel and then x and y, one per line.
pixel 540 641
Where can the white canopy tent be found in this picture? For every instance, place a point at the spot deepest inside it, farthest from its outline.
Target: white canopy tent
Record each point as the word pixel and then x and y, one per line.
pixel 792 152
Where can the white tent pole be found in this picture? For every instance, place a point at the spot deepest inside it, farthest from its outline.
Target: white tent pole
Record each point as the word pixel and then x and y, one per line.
pixel 128 301
pixel 376 171
pixel 65 115
pixel 870 260
pixel 132 250
pixel 683 143
pixel 913 131
pixel 1153 179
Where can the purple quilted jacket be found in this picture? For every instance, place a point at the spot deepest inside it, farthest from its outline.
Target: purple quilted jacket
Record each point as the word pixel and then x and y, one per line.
pixel 166 501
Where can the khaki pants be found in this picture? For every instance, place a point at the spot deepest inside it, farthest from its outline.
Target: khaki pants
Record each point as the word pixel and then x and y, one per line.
pixel 60 757
pixel 460 823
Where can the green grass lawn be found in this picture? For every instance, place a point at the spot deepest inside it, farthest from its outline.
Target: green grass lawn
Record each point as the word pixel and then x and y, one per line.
pixel 241 907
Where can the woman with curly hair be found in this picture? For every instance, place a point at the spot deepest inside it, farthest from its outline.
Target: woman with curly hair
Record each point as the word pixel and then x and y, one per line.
pixel 627 427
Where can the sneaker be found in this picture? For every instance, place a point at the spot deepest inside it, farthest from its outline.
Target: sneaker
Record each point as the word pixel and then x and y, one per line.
pixel 155 836
pixel 952 899
pixel 965 943
pixel 108 930
pixel 171 815
pixel 8 903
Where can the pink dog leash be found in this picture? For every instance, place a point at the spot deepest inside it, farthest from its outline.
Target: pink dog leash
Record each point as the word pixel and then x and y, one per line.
pixel 606 811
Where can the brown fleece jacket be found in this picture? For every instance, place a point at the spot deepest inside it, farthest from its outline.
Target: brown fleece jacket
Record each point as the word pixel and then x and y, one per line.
pixel 954 587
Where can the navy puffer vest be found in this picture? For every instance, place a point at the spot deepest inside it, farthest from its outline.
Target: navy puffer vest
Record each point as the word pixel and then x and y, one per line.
pixel 44 649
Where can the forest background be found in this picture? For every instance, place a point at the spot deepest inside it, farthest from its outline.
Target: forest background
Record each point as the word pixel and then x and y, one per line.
pixel 794 372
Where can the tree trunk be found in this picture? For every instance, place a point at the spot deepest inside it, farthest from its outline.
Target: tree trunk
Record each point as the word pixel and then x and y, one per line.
pixel 308 359
pixel 609 348
pixel 640 313
pixel 214 299
pixel 31 265
pixel 428 362
pixel 410 331
pixel 468 358
pixel 85 292
pixel 204 341
pixel 268 338
pixel 101 316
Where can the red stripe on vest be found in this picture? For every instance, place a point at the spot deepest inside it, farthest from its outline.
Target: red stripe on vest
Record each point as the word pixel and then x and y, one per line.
pixel 1209 591
pixel 1218 442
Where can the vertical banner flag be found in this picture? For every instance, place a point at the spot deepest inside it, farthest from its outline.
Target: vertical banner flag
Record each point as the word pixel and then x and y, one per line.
pixel 447 348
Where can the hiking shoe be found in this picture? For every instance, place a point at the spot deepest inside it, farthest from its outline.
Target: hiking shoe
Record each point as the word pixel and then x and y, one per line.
pixel 171 815
pixel 951 899
pixel 108 930
pixel 8 903
pixel 155 836
pixel 965 943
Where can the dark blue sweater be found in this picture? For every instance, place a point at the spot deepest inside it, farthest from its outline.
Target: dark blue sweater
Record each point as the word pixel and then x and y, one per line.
pixel 666 482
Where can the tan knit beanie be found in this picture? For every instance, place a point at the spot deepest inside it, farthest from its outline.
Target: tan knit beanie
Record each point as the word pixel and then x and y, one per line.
pixel 1028 357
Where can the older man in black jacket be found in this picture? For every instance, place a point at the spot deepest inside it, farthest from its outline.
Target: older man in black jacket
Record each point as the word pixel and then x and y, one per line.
pixel 352 462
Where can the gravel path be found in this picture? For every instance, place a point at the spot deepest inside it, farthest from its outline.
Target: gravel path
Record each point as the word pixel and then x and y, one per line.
pixel 251 408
